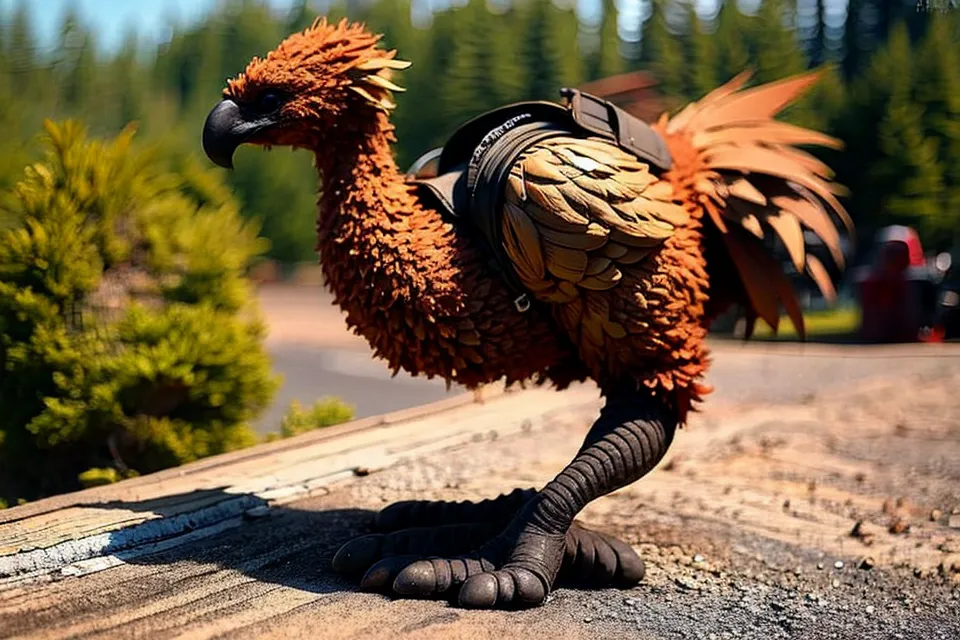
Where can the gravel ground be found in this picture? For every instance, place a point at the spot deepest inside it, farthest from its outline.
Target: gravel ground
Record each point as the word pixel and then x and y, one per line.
pixel 747 527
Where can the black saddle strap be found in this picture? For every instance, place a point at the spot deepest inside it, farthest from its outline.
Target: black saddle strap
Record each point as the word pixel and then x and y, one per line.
pixel 469 175
pixel 630 133
pixel 487 176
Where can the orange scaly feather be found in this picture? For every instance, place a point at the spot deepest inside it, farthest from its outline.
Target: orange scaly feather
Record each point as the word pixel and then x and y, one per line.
pixel 626 265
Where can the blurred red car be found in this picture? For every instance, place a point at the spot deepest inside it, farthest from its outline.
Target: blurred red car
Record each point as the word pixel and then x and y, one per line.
pixel 897 292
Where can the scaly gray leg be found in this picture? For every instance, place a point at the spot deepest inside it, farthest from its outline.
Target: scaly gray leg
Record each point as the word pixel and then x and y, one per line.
pixel 519 566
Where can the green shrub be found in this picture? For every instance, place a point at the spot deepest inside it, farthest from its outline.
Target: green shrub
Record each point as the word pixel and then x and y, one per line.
pixel 129 340
pixel 325 412
pixel 98 477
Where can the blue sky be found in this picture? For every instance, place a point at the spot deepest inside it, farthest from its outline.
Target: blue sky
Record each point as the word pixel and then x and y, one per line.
pixel 111 18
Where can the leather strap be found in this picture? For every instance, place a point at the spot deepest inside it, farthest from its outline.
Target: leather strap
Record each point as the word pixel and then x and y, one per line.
pixel 630 133
pixel 486 182
pixel 468 175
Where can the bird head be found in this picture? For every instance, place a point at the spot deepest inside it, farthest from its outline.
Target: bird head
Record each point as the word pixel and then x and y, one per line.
pixel 327 81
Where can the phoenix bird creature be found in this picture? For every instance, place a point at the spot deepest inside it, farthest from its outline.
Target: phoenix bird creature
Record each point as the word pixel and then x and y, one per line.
pixel 545 243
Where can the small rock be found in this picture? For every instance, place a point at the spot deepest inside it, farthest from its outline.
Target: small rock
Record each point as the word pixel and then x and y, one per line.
pixel 935 515
pixel 870 609
pixel 863 531
pixel 867 563
pixel 954 522
pixel 361 471
pixel 673 463
pixel 255 513
pixel 950 564
pixel 820 566
pixel 698 558
pixel 588 620
pixel 687 583
pixel 836 583
pixel 898 526
pixel 838 564
pixel 811 597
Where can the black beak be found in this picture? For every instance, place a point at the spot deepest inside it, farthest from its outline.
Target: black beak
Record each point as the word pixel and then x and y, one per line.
pixel 226 129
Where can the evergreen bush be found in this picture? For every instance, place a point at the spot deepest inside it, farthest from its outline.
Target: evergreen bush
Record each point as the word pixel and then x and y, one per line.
pixel 129 340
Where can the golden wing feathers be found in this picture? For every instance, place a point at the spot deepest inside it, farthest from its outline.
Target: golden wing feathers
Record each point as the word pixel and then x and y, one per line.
pixel 580 216
pixel 756 184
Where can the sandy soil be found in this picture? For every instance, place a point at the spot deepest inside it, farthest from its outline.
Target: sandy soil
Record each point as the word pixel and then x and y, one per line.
pixel 747 526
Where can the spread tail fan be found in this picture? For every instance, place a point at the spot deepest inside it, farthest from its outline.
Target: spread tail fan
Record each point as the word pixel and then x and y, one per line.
pixel 757 182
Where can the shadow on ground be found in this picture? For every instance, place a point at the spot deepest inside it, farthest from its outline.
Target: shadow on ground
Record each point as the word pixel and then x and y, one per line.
pixel 279 545
pixel 283 545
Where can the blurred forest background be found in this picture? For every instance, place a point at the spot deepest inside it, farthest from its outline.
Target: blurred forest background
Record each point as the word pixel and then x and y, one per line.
pixel 893 93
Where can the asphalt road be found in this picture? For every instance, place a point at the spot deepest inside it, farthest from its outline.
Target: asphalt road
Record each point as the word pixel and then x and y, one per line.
pixel 311 372
pixel 317 356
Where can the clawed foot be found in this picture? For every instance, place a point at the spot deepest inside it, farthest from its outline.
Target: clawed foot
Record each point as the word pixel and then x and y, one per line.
pixel 483 554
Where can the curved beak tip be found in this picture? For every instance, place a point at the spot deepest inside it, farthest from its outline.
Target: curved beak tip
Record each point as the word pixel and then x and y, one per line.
pixel 220 133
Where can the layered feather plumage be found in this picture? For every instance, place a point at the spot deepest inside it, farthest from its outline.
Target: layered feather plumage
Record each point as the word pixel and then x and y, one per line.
pixel 745 169
pixel 618 252
pixel 594 233
pixel 624 263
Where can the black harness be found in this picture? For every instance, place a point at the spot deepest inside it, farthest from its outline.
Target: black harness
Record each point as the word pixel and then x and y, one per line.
pixel 468 174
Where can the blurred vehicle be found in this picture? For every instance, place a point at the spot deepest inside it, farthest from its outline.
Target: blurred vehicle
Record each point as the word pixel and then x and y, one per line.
pixel 898 290
pixel 947 313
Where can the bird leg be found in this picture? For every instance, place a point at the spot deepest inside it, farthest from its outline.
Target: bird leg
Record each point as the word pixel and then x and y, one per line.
pixel 413 529
pixel 518 566
pixel 428 513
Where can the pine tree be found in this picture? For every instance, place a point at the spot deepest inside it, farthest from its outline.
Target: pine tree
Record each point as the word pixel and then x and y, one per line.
pixel 22 52
pixel 607 60
pixel 128 88
pixel 662 49
pixel 482 59
pixel 732 41
pixel 817 51
pixel 549 50
pixel 778 53
pixel 852 39
pixel 703 67
pixel 77 62
pixel 937 88
pixel 908 175
pixel 300 16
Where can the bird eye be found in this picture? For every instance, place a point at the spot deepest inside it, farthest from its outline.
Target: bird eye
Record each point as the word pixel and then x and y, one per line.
pixel 269 101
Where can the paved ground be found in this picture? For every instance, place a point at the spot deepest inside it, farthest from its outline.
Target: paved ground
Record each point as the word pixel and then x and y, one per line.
pixel 316 355
pixel 746 526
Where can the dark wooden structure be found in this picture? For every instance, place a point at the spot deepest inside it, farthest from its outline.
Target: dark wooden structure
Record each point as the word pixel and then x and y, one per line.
pixel 635 92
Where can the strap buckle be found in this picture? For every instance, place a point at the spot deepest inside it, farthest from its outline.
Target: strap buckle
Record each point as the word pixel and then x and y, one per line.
pixel 522 303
